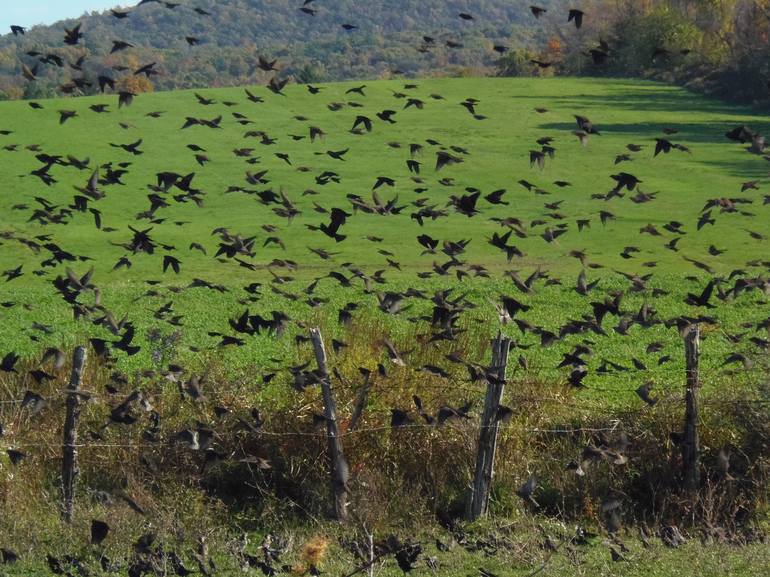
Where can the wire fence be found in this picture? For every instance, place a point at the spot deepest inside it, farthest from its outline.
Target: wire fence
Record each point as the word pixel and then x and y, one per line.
pixel 614 425
pixel 322 435
pixel 569 397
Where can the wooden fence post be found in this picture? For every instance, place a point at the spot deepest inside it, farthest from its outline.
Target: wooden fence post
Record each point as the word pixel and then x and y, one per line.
pixel 69 471
pixel 690 441
pixel 338 464
pixel 485 456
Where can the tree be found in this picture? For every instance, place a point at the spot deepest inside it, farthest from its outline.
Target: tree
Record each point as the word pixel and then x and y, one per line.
pixel 135 83
pixel 516 63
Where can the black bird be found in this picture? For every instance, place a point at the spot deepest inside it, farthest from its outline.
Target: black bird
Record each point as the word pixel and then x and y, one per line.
pixel 444 159
pixel 625 180
pixel 643 391
pixel 362 120
pixel 465 204
pixel 336 154
pixel 406 556
pixel 701 300
pixel 65 115
pixel 338 218
pixel 266 65
pixel 586 125
pixel 8 364
pixel 171 262
pixel 118 45
pixel 13 273
pixel 105 81
pixel 576 16
pixel 399 418
pixel 72 36
pixel 537 157
pixel 276 86
pixel 99 531
pixel 496 197
pixel 253 97
pixel 429 243
pixel 125 98
pixel 148 70
pixel 8 556
pixel 662 145
pixel 15 456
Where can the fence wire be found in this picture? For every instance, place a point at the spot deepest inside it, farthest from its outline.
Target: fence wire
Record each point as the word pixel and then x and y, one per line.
pixel 571 399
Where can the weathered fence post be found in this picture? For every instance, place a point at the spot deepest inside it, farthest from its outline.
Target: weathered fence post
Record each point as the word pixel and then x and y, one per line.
pixel 690 441
pixel 485 456
pixel 371 555
pixel 338 463
pixel 69 470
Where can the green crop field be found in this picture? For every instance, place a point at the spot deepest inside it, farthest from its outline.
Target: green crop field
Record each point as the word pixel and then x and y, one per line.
pixel 494 148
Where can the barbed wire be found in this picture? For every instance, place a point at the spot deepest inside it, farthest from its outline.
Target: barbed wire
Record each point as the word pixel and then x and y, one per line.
pixel 448 383
pixel 613 426
pixel 320 435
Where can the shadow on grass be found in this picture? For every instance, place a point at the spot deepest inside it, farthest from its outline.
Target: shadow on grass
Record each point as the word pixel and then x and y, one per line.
pixel 689 132
pixel 645 97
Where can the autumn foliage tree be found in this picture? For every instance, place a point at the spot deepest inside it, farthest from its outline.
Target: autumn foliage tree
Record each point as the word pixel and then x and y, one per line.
pixel 135 83
pixel 716 46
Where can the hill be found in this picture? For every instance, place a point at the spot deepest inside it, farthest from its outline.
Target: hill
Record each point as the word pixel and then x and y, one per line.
pixel 234 33
pixel 256 160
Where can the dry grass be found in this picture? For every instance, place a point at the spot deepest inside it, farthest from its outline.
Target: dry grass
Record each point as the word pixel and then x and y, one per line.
pixel 407 477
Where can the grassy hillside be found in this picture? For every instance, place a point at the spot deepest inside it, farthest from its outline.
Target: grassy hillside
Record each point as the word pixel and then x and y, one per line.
pixel 181 361
pixel 495 154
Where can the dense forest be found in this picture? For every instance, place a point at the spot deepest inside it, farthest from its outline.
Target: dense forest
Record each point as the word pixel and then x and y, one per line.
pixel 715 46
pixel 387 39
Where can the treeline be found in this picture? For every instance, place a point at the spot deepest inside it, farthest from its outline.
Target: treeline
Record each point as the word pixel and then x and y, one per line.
pixel 387 39
pixel 720 47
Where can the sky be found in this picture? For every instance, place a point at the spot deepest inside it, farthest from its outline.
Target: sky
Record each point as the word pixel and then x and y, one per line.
pixel 29 12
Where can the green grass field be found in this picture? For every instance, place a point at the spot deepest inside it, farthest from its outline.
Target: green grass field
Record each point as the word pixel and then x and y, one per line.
pixel 495 153
pixel 495 150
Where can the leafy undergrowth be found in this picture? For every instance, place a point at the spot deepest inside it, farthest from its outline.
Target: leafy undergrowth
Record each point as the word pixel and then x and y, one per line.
pixel 258 463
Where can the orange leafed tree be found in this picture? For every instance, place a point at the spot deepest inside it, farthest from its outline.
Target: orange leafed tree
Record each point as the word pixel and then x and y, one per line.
pixel 554 47
pixel 136 84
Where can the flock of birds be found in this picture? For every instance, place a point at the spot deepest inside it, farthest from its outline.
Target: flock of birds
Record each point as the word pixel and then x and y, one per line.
pixel 79 291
